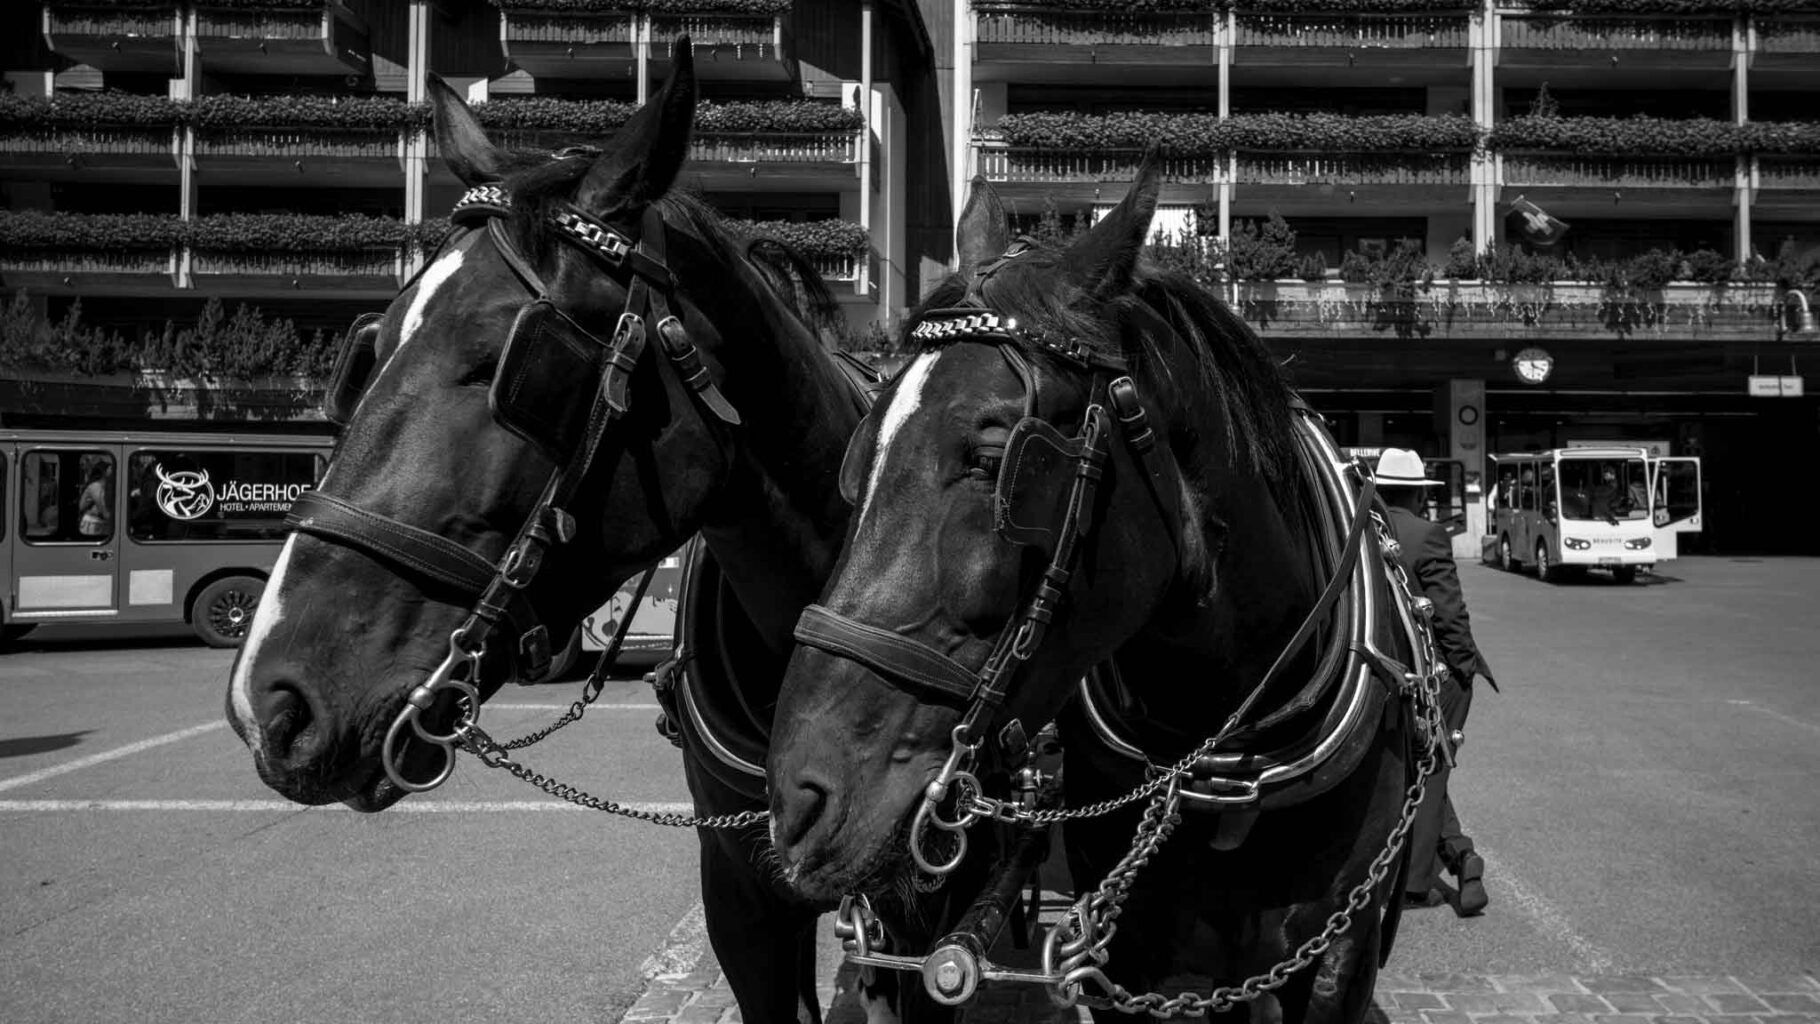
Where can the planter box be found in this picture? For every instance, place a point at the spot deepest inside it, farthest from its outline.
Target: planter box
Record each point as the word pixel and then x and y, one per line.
pixel 155 395
pixel 74 273
pixel 1352 40
pixel 1018 34
pixel 329 40
pixel 72 152
pixel 746 47
pixel 1101 175
pixel 1538 40
pixel 310 157
pixel 594 44
pixel 372 271
pixel 116 39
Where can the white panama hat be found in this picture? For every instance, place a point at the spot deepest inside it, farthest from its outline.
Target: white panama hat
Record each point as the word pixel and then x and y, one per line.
pixel 1400 467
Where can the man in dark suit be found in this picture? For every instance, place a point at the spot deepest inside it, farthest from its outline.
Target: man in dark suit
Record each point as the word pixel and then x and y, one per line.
pixel 1427 557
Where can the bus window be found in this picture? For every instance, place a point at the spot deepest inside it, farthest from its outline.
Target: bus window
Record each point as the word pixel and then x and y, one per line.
pixel 1605 489
pixel 3 468
pixel 186 495
pixel 66 497
pixel 1526 489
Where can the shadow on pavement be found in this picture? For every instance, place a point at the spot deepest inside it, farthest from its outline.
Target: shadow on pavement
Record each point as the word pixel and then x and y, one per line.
pixel 27 745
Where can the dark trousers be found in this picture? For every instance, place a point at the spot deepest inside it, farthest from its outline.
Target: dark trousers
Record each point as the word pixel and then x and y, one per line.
pixel 1436 840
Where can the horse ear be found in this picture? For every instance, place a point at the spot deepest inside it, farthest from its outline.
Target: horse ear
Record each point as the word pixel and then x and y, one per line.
pixel 1104 260
pixel 983 233
pixel 460 138
pixel 647 153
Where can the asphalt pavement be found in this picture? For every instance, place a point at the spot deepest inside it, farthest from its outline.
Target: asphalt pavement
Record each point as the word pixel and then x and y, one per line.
pixel 1643 792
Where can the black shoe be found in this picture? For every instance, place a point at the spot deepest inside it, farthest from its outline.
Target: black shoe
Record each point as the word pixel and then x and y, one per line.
pixel 1472 885
pixel 1423 900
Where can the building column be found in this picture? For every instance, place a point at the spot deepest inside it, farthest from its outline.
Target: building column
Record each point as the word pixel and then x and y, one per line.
pixel 414 146
pixel 1464 404
pixel 862 283
pixel 1744 30
pixel 961 143
pixel 1482 38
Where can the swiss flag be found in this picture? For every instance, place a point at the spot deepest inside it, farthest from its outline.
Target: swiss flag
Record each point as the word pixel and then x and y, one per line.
pixel 1535 225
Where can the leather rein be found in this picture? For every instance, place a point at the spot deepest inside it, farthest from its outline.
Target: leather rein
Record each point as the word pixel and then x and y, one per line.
pixel 498 589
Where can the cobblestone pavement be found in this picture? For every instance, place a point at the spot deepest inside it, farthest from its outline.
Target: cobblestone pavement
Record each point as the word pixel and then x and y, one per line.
pixel 701 997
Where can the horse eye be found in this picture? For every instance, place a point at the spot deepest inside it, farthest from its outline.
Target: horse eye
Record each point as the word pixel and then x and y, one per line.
pixel 984 461
pixel 481 374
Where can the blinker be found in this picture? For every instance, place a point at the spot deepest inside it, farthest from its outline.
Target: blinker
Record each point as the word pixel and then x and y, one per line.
pixel 353 368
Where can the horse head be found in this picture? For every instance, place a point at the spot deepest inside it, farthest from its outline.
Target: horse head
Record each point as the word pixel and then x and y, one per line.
pixel 1052 476
pixel 506 419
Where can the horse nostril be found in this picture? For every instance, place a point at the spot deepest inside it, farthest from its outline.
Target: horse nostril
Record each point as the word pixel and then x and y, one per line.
pixel 796 810
pixel 285 715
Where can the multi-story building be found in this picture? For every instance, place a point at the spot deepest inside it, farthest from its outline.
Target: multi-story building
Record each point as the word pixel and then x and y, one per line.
pixel 1398 140
pixel 1436 122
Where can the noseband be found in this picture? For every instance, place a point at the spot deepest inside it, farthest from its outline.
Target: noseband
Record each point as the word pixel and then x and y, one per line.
pixel 561 388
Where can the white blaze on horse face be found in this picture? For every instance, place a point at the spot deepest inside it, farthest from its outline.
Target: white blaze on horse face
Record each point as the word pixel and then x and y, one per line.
pixel 433 279
pixel 905 400
pixel 270 611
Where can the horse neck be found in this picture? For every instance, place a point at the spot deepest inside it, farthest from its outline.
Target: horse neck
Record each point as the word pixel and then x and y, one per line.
pixel 778 525
pixel 1265 585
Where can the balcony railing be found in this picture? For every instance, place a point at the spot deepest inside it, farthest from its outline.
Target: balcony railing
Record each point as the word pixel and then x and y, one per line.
pixel 1355 169
pixel 726 45
pixel 1026 27
pixel 1005 164
pixel 1619 172
pixel 115 38
pixel 1420 31
pixel 328 39
pixel 777 147
pixel 1567 34
pixel 315 271
pixel 840 269
pixel 77 269
pixel 125 146
pixel 1787 174
pixel 298 143
pixel 1787 42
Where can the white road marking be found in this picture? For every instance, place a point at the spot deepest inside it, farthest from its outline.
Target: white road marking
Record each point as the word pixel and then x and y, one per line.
pixel 905 400
pixel 285 806
pixel 1777 715
pixel 107 755
pixel 268 614
pixel 1547 918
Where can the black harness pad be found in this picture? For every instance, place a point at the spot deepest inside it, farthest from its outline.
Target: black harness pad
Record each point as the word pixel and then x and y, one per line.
pixel 353 368
pixel 545 386
pixel 1035 481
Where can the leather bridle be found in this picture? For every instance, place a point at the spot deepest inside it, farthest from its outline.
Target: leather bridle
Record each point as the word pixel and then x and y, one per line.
pixel 498 589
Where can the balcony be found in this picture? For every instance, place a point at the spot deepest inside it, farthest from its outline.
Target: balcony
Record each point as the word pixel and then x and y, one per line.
pixel 345 274
pixel 741 47
pixel 1426 39
pixel 1616 185
pixel 1547 41
pixel 569 44
pixel 146 154
pixel 74 270
pixel 1401 181
pixel 1015 34
pixel 326 40
pixel 1785 185
pixel 1075 177
pixel 303 157
pixel 1786 45
pixel 116 38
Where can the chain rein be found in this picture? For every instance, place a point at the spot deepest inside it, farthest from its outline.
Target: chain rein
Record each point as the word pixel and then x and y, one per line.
pixel 1075 951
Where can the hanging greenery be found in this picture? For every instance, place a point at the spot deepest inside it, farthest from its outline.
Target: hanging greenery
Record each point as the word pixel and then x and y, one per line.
pixel 831 238
pixel 600 118
pixel 1673 8
pixel 76 110
pixel 295 232
pixel 1211 135
pixel 1619 136
pixel 354 113
pixel 88 232
pixel 1221 6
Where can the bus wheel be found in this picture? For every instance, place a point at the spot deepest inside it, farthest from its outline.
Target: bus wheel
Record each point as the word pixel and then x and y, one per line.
pixel 1545 570
pixel 224 610
pixel 1505 561
pixel 1625 574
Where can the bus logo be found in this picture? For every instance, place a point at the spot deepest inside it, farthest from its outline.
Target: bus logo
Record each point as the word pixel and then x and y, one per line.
pixel 185 494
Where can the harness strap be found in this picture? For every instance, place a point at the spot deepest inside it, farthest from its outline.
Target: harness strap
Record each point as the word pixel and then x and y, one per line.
pixel 431 555
pixel 892 656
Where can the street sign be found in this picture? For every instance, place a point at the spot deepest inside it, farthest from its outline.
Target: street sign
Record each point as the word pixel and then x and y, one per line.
pixel 1763 386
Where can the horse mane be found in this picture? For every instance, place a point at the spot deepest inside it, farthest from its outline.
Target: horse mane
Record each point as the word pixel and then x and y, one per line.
pixel 538 182
pixel 1233 370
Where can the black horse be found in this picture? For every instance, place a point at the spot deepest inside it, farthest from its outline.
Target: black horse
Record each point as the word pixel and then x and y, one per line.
pixel 588 348
pixel 1201 526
